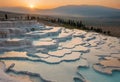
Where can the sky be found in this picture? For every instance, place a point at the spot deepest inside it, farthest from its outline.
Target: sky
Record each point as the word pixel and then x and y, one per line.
pixel 47 4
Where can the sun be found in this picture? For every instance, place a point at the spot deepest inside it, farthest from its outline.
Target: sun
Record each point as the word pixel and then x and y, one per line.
pixel 32 6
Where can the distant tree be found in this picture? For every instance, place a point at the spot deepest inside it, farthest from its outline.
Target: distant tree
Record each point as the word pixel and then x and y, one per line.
pixel 104 32
pixel 33 18
pixel 6 16
pixel 28 17
pixel 108 32
pixel 91 28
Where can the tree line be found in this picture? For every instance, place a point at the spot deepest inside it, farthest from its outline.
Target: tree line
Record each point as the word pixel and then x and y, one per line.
pixel 78 24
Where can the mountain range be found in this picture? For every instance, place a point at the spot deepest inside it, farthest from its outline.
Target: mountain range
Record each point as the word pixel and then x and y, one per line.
pixel 70 10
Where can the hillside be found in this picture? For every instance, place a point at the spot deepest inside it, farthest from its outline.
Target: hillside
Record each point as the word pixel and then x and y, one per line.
pixel 85 10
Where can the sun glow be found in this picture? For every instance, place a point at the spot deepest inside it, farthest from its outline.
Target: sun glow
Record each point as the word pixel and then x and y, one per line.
pixel 32 6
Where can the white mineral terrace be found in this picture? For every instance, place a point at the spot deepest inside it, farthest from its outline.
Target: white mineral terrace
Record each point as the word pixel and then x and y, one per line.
pixel 15 28
pixel 33 52
pixel 8 78
pixel 14 24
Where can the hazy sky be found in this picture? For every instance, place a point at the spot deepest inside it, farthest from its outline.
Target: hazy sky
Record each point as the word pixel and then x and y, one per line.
pixel 46 4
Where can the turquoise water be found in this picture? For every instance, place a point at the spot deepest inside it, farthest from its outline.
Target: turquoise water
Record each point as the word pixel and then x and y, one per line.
pixel 93 76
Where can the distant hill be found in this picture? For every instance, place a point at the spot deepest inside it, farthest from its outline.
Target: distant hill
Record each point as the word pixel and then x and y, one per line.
pixel 86 10
pixel 16 9
pixel 71 10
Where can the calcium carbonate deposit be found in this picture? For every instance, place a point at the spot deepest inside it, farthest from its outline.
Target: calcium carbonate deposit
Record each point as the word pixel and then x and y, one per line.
pixel 33 52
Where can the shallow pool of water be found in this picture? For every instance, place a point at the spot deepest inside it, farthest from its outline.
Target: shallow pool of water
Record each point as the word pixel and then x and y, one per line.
pixel 93 76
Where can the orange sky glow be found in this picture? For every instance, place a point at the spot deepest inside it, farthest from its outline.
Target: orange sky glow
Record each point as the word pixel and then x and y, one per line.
pixel 47 4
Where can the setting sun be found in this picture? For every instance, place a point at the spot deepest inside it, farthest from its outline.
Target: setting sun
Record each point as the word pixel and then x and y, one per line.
pixel 31 6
